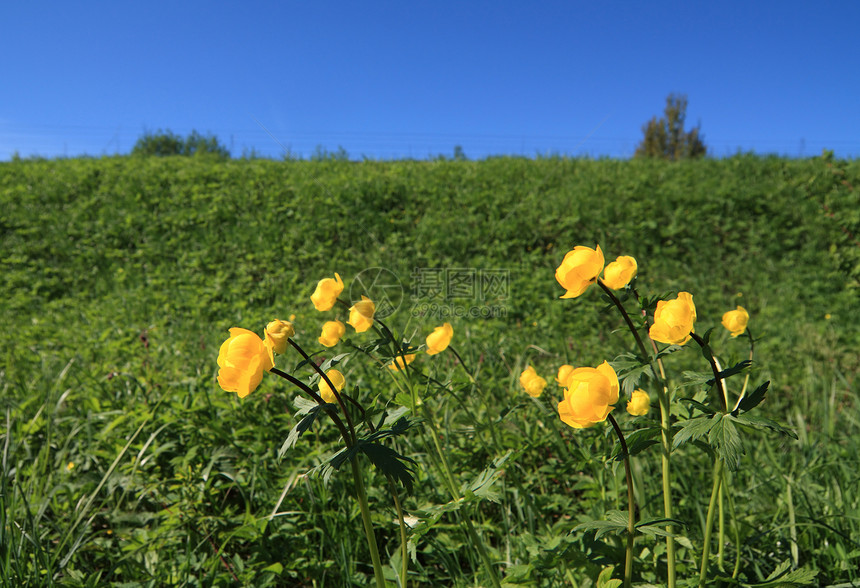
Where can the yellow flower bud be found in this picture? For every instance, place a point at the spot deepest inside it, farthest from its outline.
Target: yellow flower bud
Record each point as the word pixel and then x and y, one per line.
pixel 563 376
pixel 589 397
pixel 361 314
pixel 579 270
pixel 532 382
pixel 639 403
pixel 242 360
pixel 325 390
pixel 673 320
pixel 619 273
pixel 326 292
pixel 277 334
pixel 332 331
pixel 735 321
pixel 398 364
pixel 439 339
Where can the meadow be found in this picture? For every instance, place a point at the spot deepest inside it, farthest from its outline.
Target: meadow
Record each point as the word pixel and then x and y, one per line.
pixel 124 463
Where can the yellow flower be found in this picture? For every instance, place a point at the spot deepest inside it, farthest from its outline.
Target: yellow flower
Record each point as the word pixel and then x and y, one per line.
pixel 332 331
pixel 339 382
pixel 327 292
pixel 579 270
pixel 361 314
pixel 589 397
pixel 564 374
pixel 532 382
pixel 736 321
pixel 439 339
pixel 243 358
pixel 639 403
pixel 277 334
pixel 398 364
pixel 673 320
pixel 619 273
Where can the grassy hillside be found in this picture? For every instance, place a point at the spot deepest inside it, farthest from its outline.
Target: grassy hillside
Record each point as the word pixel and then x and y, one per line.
pixel 125 462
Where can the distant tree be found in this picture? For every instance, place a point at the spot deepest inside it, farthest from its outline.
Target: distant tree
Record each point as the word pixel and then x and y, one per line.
pixel 322 154
pixel 665 137
pixel 166 143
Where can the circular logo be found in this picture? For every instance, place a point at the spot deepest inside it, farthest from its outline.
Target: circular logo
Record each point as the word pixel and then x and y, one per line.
pixel 380 285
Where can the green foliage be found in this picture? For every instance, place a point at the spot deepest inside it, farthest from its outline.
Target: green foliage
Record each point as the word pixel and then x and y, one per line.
pixel 665 137
pixel 166 143
pixel 122 275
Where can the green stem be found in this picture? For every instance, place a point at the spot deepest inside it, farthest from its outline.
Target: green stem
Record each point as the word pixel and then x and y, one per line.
pixel 404 545
pixel 455 495
pixel 462 363
pixel 307 390
pixel 331 386
pixel 737 534
pixel 718 380
pixel 709 522
pixel 666 438
pixel 623 311
pixel 752 351
pixel 631 505
pixel 721 525
pixel 665 427
pixel 368 524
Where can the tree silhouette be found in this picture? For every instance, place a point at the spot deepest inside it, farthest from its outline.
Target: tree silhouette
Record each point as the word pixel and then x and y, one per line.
pixel 166 143
pixel 665 137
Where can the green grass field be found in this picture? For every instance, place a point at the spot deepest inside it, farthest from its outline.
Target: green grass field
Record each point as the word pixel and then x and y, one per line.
pixel 124 463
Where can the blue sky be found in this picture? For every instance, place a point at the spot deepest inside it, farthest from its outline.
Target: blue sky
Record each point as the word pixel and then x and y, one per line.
pixel 414 79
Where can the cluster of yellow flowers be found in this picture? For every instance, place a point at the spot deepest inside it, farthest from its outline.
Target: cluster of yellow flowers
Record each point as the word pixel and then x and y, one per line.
pixel 582 266
pixel 591 393
pixel 245 357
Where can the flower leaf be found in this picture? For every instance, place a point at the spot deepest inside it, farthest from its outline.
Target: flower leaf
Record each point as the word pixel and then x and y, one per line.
pixel 692 429
pixel 724 438
pixel 482 485
pixel 389 462
pixel 751 400
pixel 615 523
pixel 761 423
pixel 738 367
pixel 638 441
pixel 702 407
pixel 302 426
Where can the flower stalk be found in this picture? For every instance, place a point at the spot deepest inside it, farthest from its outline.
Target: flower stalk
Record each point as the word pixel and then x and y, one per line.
pixel 631 505
pixel 664 401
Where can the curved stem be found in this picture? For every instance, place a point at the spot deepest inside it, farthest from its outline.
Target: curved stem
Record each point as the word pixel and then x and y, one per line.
pixel 331 386
pixel 752 349
pixel 631 505
pixel 462 363
pixel 626 316
pixel 718 380
pixel 709 522
pixel 316 397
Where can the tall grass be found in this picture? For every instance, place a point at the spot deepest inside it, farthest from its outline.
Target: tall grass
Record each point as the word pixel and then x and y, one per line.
pixel 123 462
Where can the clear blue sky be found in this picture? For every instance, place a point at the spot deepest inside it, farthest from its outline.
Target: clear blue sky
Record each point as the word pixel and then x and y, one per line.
pixel 414 79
